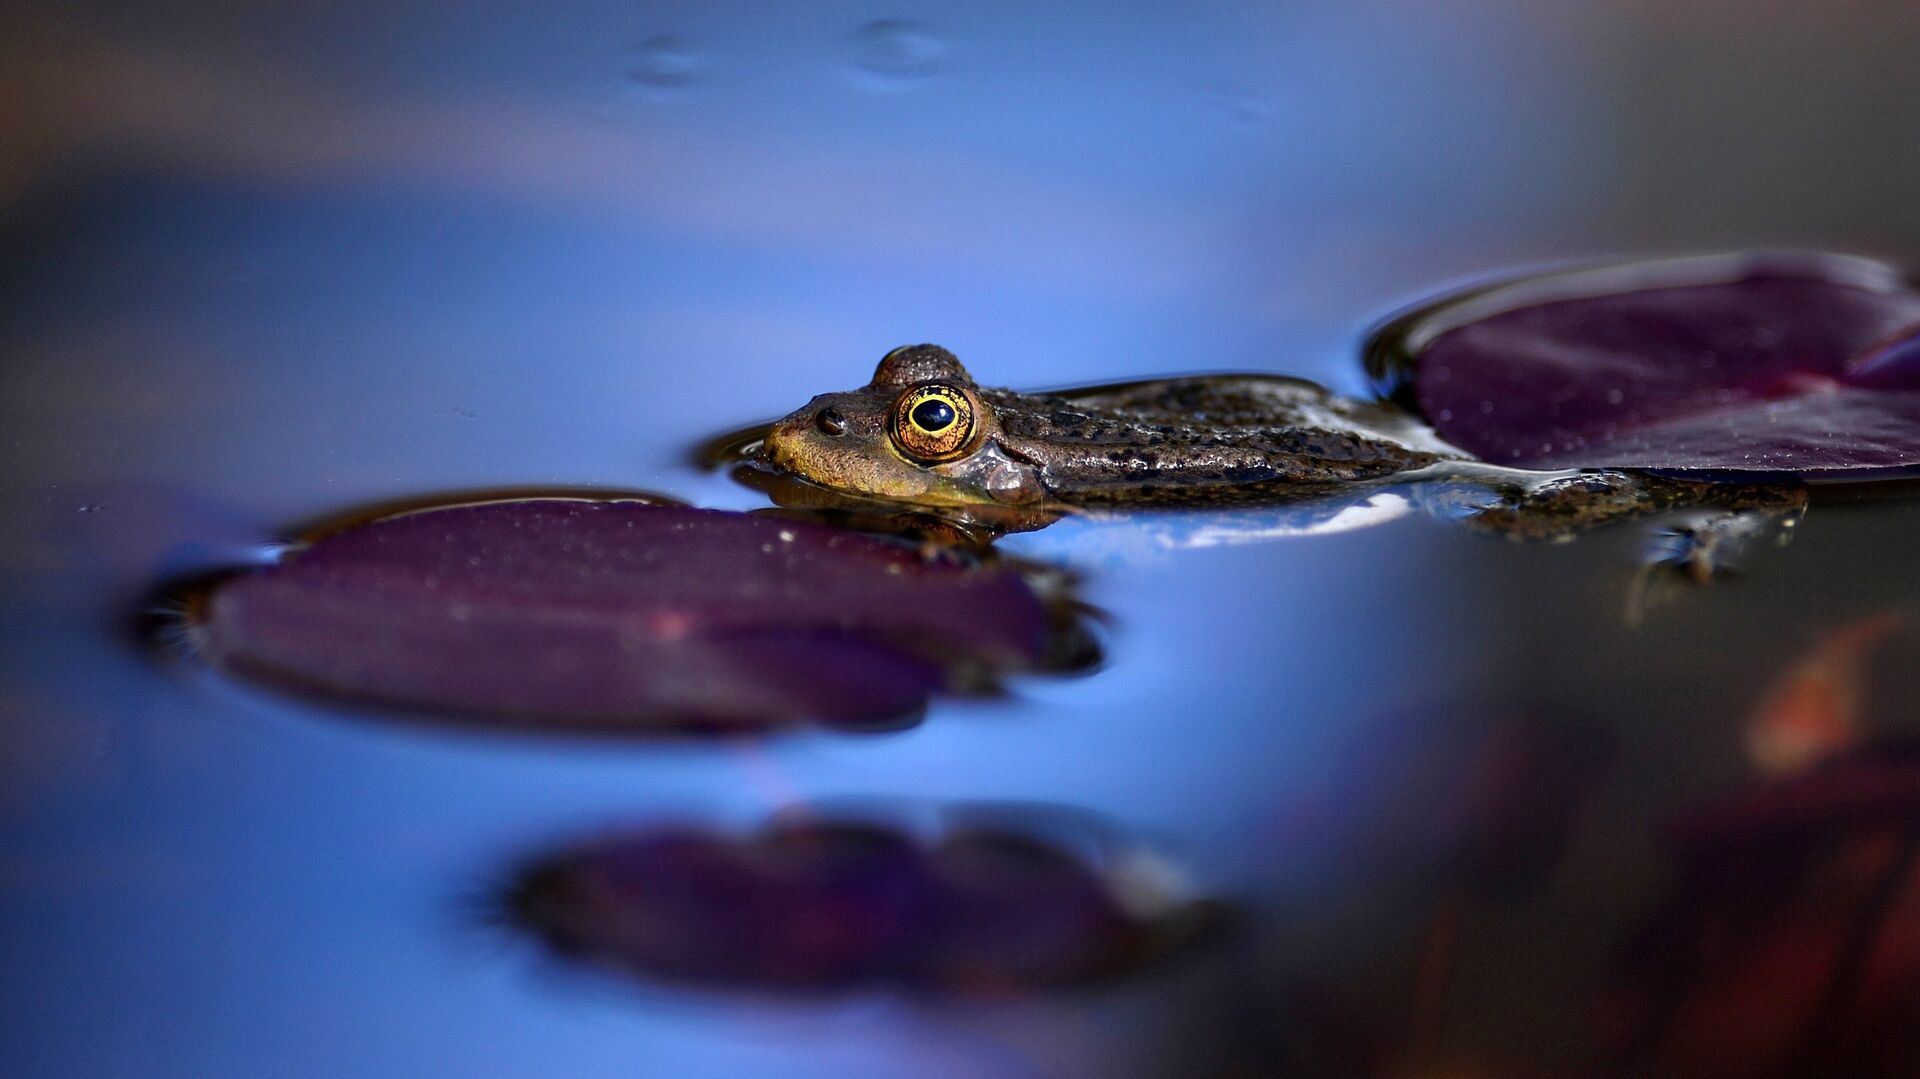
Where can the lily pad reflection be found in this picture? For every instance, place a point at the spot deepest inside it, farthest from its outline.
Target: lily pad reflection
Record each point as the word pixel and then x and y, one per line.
pixel 833 905
pixel 625 616
pixel 1800 365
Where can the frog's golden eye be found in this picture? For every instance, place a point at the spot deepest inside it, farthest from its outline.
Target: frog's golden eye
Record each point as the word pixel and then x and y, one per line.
pixel 934 423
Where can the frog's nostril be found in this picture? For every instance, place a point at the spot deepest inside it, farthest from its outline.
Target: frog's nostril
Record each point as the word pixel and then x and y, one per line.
pixel 830 421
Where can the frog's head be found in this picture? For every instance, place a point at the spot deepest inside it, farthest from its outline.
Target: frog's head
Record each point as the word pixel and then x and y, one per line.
pixel 920 432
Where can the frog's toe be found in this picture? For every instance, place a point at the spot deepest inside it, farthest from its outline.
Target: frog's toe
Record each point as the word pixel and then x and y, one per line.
pixel 1708 544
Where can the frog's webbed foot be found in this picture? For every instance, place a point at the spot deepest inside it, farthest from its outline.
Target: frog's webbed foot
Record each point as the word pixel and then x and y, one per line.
pixel 1552 507
pixel 1705 530
pixel 1695 548
pixel 1710 543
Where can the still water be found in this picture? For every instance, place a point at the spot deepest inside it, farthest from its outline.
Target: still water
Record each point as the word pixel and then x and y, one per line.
pixel 263 267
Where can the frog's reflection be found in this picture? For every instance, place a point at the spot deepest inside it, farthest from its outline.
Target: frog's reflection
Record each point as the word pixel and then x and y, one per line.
pixel 963 528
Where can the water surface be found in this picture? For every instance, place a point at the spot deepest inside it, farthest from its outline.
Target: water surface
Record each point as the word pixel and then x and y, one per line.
pixel 268 267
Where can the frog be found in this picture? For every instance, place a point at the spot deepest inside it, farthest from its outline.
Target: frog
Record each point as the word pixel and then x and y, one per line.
pixel 924 434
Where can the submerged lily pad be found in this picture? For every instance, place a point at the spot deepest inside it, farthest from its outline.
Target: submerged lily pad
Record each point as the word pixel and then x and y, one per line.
pixel 1793 365
pixel 1789 942
pixel 628 616
pixel 826 905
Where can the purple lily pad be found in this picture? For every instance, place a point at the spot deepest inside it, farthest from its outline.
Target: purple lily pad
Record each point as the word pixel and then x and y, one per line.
pixel 1788 365
pixel 835 905
pixel 626 616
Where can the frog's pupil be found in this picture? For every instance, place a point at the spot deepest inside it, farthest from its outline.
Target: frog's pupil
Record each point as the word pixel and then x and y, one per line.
pixel 933 416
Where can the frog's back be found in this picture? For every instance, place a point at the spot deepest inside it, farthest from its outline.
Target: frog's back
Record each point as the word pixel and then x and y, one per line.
pixel 1207 438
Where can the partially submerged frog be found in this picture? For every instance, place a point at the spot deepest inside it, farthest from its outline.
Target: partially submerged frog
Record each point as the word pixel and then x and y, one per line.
pixel 924 433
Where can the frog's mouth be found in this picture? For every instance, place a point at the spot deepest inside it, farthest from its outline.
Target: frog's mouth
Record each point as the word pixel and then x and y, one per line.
pixel 864 468
pixel 790 491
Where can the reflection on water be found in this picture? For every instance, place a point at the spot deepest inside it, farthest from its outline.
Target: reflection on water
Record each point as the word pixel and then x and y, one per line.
pixel 665 65
pixel 894 54
pixel 811 905
pixel 1817 708
pixel 267 263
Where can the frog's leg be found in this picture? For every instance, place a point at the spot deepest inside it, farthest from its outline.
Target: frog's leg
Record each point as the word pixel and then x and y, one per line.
pixel 1705 528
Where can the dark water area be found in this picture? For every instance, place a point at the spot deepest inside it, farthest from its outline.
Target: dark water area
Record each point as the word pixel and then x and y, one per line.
pixel 264 268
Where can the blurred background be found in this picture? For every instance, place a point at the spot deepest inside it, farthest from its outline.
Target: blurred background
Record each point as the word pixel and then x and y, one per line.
pixel 265 263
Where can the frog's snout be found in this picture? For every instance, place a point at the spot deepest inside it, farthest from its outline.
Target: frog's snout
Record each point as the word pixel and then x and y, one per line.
pixel 777 448
pixel 797 436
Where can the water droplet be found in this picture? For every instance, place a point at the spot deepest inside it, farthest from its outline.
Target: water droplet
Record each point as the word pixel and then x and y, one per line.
pixel 665 65
pixel 895 54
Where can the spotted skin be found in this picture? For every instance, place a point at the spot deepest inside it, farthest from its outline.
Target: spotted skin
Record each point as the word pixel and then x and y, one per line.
pixel 1218 440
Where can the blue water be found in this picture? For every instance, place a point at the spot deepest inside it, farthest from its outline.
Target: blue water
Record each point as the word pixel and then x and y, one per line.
pixel 262 266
